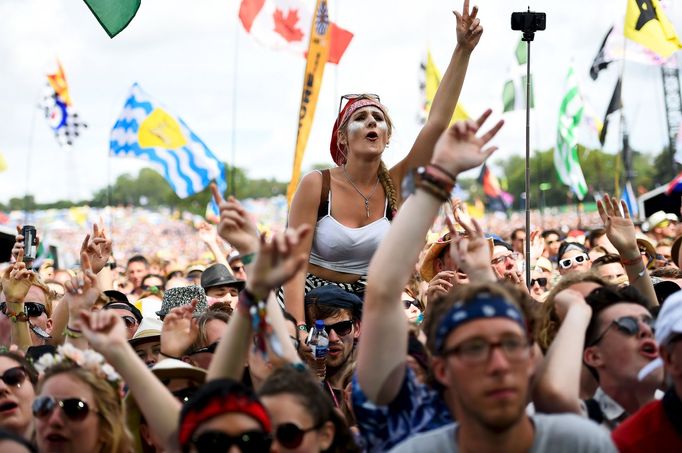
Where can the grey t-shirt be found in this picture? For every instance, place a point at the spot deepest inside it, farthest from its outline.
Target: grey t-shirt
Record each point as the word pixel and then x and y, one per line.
pixel 561 433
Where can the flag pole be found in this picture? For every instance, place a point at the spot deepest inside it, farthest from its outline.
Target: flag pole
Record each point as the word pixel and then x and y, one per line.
pixel 528 37
pixel 31 136
pixel 233 187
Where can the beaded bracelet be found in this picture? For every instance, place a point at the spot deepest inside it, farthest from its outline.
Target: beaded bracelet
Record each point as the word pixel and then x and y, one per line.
pixel 433 189
pixel 444 171
pixel 17 317
pixel 72 333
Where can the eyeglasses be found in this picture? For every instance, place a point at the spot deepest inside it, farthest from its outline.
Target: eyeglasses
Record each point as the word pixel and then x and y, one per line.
pixel 210 349
pixel 291 436
pixel 129 320
pixel 408 303
pixel 184 395
pixel 32 309
pixel 542 281
pixel 14 377
pixel 350 97
pixel 567 263
pixel 515 256
pixel 75 409
pixel 628 325
pixel 478 350
pixel 211 441
pixel 342 328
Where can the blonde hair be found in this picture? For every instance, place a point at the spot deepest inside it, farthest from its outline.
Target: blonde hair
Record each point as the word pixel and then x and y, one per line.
pixel 113 435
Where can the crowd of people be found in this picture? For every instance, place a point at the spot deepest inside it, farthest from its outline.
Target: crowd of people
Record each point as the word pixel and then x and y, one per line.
pixel 436 342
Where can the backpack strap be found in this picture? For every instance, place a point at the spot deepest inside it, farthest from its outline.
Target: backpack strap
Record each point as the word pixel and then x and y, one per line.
pixel 323 208
pixel 594 412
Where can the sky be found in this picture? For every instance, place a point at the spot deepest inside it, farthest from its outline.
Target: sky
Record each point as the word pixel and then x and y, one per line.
pixel 242 99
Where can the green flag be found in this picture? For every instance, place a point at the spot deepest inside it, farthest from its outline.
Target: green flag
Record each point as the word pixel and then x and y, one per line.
pixel 566 160
pixel 514 91
pixel 113 15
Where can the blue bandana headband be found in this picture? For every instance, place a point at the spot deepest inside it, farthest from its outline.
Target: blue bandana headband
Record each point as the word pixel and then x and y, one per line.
pixel 482 305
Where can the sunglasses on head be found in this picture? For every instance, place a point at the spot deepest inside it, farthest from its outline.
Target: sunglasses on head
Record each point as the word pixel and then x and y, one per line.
pixel 210 349
pixel 341 328
pixel 291 436
pixel 14 377
pixel 212 441
pixel 32 309
pixel 542 281
pixel 628 325
pixel 350 97
pixel 184 395
pixel 567 263
pixel 75 409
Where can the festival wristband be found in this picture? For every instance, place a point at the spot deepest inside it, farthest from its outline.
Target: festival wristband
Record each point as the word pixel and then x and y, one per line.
pixel 625 262
pixel 248 258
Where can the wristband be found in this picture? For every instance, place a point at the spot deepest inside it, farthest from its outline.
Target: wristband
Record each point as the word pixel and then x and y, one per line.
pixel 302 327
pixel 247 259
pixel 625 262
pixel 16 317
pixel 245 301
pixel 72 333
pixel 444 171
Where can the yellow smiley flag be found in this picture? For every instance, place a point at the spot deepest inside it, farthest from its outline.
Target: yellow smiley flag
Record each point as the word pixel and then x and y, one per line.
pixel 646 23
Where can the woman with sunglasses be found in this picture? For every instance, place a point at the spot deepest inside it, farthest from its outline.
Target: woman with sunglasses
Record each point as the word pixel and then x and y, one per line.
pixel 17 390
pixel 78 406
pixel 352 204
pixel 303 416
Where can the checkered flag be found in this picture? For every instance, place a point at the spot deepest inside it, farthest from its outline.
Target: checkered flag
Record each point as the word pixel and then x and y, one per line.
pixel 61 117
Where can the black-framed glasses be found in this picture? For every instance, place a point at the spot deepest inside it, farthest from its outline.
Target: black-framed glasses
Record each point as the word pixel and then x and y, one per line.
pixel 289 435
pixel 14 377
pixel 210 349
pixel 407 303
pixel 184 395
pixel 542 281
pixel 32 309
pixel 567 263
pixel 628 325
pixel 478 350
pixel 212 441
pixel 75 409
pixel 129 320
pixel 342 328
pixel 351 97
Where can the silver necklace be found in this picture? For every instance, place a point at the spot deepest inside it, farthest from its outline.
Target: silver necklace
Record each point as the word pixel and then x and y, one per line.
pixel 366 198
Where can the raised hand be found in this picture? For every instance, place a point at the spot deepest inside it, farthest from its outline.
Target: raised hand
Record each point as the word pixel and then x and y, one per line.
pixel 537 245
pixel 207 233
pixel 619 226
pixel 570 299
pixel 17 280
pixel 440 284
pixel 98 248
pixel 469 29
pixel 459 149
pixel 235 225
pixel 277 261
pixel 103 329
pixel 19 242
pixel 470 252
pixel 81 291
pixel 179 331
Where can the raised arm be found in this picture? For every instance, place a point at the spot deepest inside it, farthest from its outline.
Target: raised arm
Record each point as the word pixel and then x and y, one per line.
pixel 621 233
pixel 469 33
pixel 383 344
pixel 209 236
pixel 16 282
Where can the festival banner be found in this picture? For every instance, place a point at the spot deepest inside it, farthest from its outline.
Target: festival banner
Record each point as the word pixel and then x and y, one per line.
pixel 647 24
pixel 514 91
pixel 58 109
pixel 566 160
pixel 113 15
pixel 318 51
pixel 428 88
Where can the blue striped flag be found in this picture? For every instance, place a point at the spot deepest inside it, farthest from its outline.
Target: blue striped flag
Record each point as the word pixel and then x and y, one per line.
pixel 630 200
pixel 145 130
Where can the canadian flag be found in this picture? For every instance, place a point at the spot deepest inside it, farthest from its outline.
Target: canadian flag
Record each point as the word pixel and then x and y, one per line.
pixel 285 24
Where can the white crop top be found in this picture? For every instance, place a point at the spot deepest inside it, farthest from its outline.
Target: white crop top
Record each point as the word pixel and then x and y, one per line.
pixel 344 249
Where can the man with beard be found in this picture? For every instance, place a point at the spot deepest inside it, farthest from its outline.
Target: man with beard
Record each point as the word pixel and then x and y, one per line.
pixel 340 311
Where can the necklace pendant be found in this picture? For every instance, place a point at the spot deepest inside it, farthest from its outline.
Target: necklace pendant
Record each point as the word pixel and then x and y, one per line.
pixel 367 207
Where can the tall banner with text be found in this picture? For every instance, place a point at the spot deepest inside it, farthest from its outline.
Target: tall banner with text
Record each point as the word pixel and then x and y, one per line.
pixel 318 51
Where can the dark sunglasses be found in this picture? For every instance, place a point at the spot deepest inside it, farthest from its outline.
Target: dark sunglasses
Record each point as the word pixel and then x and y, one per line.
pixel 341 328
pixel 184 395
pixel 628 325
pixel 32 309
pixel 350 97
pixel 212 441
pixel 237 268
pixel 129 320
pixel 14 377
pixel 75 409
pixel 291 436
pixel 210 349
pixel 542 281
pixel 408 303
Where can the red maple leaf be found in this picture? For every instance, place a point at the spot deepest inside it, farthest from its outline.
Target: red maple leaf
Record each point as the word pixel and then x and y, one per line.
pixel 286 26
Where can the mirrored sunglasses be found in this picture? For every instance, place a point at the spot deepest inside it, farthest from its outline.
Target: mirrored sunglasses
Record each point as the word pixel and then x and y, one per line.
pixel 627 325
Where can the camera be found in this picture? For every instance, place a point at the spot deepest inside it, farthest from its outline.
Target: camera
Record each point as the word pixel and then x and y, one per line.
pixel 528 21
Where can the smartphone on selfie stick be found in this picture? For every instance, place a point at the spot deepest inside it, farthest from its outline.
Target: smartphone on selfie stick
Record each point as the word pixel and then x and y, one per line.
pixel 30 243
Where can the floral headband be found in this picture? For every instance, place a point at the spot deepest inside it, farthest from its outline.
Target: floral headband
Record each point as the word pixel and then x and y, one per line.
pixel 87 359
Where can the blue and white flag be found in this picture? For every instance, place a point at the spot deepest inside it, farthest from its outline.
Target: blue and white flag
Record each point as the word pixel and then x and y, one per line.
pixel 146 130
pixel 630 200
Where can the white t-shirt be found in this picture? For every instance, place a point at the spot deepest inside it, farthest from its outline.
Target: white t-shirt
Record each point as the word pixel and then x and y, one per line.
pixel 561 433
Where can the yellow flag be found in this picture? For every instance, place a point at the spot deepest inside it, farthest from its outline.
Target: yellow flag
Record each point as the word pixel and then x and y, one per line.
pixel 318 51
pixel 646 23
pixel 3 163
pixel 433 78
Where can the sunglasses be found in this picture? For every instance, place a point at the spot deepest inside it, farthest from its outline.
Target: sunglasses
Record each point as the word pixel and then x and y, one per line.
pixel 408 303
pixel 14 377
pixel 75 409
pixel 291 436
pixel 129 320
pixel 628 325
pixel 567 263
pixel 542 281
pixel 236 268
pixel 184 395
pixel 210 349
pixel 212 441
pixel 342 328
pixel 32 309
pixel 350 97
